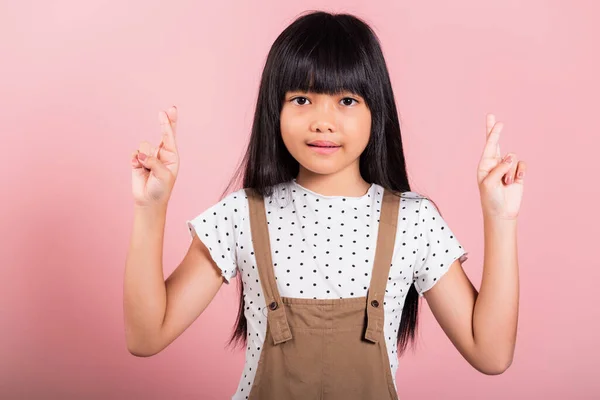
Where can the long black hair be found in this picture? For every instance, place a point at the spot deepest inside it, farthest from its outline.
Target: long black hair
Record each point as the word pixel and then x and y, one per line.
pixel 326 53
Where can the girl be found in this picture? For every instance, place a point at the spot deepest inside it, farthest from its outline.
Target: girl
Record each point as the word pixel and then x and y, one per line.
pixel 331 248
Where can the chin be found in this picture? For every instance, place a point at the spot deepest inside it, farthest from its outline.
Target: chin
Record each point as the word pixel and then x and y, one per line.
pixel 321 169
pixel 325 166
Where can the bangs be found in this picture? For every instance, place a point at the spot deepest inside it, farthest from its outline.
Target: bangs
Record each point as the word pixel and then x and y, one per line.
pixel 328 54
pixel 326 57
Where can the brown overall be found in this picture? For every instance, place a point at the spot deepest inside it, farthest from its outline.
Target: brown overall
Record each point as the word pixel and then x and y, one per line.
pixel 327 349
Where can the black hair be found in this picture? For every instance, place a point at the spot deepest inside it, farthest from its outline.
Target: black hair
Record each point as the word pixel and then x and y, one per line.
pixel 326 53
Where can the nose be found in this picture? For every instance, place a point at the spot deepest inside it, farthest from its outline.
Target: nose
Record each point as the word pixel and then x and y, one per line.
pixel 322 124
pixel 324 115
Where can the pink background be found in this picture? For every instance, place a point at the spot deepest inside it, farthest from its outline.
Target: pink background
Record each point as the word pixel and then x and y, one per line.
pixel 81 85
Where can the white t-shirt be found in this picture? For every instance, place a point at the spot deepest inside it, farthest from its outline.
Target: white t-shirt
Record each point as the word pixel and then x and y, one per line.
pixel 323 248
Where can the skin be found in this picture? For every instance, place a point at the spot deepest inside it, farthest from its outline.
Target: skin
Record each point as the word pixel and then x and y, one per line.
pixel 481 325
pixel 344 119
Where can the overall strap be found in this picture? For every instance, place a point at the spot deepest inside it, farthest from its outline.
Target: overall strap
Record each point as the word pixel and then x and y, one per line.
pixel 386 238
pixel 276 317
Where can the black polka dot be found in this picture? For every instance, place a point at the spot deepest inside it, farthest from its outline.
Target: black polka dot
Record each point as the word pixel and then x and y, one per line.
pixel 313 236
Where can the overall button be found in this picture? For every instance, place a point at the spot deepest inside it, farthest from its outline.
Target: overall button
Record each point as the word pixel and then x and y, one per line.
pixel 375 303
pixel 273 305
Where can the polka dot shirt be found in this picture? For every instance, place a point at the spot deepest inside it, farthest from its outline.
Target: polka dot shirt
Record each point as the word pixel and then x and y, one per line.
pixel 323 247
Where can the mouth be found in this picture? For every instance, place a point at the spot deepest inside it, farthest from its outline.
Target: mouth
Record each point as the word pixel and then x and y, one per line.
pixel 323 144
pixel 324 149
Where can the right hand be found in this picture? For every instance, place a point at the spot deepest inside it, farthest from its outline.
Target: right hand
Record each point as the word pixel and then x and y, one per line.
pixel 154 177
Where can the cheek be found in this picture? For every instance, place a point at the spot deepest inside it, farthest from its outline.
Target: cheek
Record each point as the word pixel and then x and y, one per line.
pixel 284 125
pixel 290 137
pixel 358 131
pixel 286 121
pixel 287 133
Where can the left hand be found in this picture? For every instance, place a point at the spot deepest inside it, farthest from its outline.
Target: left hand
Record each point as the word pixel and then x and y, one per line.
pixel 500 183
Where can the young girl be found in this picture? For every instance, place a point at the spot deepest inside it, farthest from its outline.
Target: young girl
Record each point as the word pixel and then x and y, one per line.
pixel 331 248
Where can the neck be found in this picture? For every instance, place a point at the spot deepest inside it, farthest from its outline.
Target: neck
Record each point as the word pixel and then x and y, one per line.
pixel 342 183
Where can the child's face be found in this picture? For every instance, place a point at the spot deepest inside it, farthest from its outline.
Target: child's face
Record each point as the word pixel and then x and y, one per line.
pixel 343 119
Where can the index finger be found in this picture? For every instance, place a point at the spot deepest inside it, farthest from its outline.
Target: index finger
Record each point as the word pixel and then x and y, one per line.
pixel 490 122
pixel 491 145
pixel 168 135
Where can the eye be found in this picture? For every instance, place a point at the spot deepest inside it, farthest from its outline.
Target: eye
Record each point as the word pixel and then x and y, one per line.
pixel 344 100
pixel 351 100
pixel 300 97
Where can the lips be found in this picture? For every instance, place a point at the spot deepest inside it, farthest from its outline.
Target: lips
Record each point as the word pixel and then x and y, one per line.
pixel 323 143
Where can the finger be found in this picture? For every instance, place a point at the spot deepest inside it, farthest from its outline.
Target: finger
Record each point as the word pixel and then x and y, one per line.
pixel 172 114
pixel 140 161
pixel 496 174
pixel 520 172
pixel 155 150
pixel 490 122
pixel 491 146
pixel 135 163
pixel 160 146
pixel 168 136
pixel 144 148
pixel 157 168
pixel 509 177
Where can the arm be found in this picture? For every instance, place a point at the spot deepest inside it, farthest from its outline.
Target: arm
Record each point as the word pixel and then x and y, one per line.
pixel 158 311
pixel 482 326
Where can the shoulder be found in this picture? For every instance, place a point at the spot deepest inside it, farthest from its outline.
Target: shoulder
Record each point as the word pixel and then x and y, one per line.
pixel 409 200
pixel 414 209
pixel 411 197
pixel 234 202
pixel 232 207
pixel 237 202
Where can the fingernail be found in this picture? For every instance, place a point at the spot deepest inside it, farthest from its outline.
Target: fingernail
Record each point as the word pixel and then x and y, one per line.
pixel 520 174
pixel 508 159
pixel 142 156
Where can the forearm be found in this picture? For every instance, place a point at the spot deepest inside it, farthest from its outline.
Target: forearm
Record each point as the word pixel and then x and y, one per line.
pixel 144 292
pixel 496 308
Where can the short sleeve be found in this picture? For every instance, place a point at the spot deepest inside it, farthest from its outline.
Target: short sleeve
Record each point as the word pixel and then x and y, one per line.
pixel 438 248
pixel 218 228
